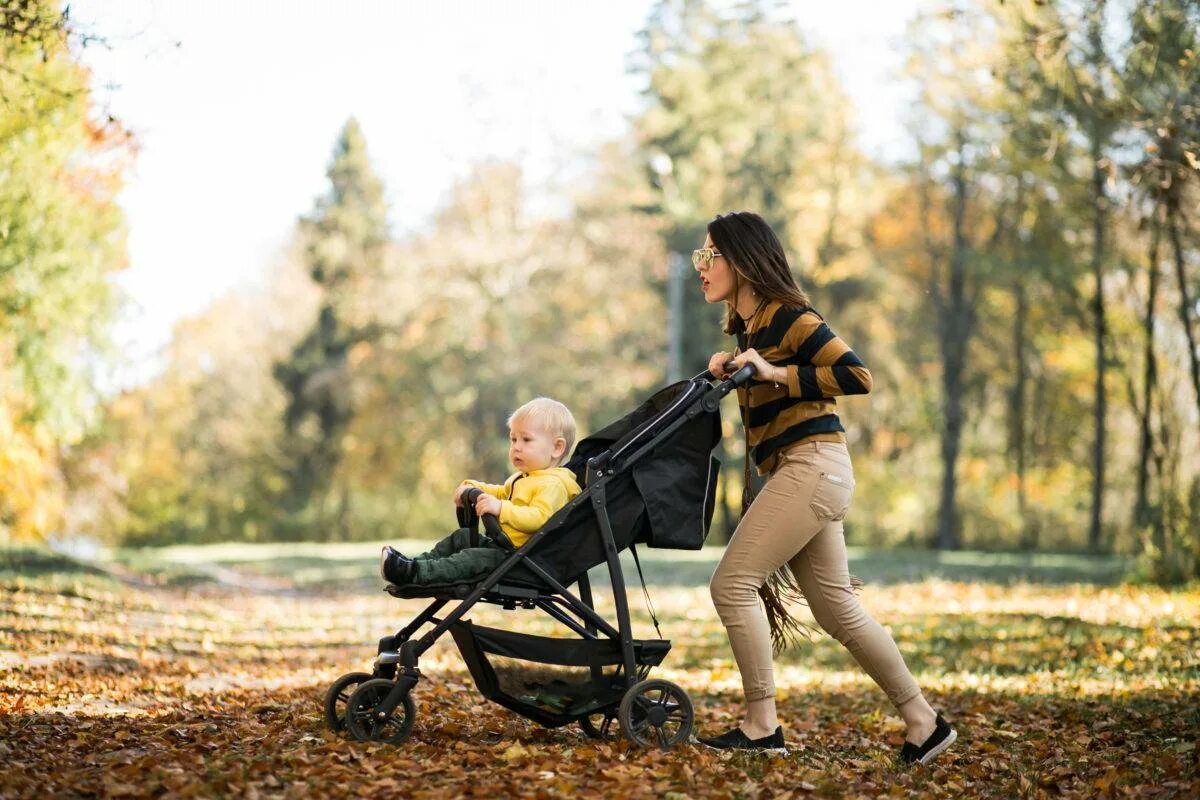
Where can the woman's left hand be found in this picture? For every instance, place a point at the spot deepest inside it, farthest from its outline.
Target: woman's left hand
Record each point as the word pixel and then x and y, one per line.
pixel 762 370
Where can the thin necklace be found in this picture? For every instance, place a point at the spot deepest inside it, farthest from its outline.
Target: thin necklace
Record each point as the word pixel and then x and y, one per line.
pixel 754 313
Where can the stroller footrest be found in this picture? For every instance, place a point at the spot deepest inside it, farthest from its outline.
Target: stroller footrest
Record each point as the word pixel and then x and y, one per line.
pixel 458 591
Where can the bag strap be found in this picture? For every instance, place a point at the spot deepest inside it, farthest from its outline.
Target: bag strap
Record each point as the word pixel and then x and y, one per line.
pixel 642 578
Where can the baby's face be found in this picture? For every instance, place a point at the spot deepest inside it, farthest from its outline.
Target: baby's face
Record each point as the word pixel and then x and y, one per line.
pixel 531 448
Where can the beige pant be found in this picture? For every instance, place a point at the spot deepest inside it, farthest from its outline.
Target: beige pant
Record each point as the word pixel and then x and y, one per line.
pixel 797 520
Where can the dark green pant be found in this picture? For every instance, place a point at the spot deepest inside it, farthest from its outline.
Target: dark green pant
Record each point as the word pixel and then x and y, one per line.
pixel 456 559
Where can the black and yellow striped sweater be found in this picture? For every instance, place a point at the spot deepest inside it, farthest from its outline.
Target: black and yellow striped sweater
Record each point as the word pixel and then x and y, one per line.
pixel 820 367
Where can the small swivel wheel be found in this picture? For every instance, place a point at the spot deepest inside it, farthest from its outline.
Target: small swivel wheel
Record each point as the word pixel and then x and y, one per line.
pixel 366 724
pixel 656 713
pixel 337 696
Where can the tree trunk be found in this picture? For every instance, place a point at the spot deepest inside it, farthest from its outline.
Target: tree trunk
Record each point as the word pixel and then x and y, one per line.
pixel 1017 410
pixel 954 328
pixel 1141 506
pixel 1186 304
pixel 1099 199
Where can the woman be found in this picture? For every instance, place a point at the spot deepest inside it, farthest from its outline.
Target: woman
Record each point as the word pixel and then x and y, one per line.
pixel 794 435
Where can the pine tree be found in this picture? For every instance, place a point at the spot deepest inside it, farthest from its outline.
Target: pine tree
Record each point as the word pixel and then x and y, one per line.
pixel 345 237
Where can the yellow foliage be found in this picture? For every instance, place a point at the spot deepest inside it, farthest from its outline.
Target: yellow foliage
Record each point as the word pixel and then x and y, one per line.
pixel 31 492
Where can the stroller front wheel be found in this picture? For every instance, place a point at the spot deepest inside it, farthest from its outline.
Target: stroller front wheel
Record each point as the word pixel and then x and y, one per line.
pixel 656 713
pixel 337 697
pixel 364 722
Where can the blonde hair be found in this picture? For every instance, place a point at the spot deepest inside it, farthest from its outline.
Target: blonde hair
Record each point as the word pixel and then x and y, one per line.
pixel 552 417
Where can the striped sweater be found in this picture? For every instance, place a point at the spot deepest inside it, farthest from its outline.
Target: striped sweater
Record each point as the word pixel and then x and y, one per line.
pixel 820 367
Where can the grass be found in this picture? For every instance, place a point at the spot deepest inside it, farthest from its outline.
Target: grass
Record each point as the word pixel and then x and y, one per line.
pixel 353 565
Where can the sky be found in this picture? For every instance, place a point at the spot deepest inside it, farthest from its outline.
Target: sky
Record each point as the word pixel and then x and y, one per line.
pixel 236 107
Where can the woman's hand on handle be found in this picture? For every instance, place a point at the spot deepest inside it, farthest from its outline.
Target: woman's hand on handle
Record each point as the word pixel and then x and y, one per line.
pixel 716 364
pixel 762 370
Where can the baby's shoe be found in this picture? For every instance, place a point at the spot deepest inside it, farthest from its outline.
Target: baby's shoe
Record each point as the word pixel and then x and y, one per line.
pixel 395 567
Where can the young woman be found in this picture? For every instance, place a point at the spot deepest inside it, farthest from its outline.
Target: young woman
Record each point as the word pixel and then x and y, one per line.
pixel 793 435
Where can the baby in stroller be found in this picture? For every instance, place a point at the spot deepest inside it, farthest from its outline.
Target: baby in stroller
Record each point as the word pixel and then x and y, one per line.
pixel 541 433
pixel 649 478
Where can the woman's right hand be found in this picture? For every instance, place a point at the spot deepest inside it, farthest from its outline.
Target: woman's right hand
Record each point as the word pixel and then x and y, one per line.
pixel 716 364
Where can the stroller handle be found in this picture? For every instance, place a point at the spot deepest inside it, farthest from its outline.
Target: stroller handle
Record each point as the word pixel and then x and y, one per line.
pixel 739 378
pixel 491 524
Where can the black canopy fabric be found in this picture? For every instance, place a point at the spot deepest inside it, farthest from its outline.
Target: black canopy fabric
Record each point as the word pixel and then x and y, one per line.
pixel 677 479
pixel 664 498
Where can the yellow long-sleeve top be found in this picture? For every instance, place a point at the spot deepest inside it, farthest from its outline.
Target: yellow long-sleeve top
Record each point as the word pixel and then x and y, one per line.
pixel 528 499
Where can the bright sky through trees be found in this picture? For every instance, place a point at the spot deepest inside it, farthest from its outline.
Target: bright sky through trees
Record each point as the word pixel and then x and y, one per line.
pixel 235 104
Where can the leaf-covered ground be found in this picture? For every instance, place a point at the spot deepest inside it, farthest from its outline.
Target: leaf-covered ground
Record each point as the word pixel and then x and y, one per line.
pixel 199 672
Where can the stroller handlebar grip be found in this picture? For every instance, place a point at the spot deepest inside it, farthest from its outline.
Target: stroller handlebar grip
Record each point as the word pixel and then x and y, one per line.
pixel 742 376
pixel 739 378
pixel 491 523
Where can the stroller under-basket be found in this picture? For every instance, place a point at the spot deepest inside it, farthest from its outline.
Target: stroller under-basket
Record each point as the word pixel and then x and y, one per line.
pixel 650 478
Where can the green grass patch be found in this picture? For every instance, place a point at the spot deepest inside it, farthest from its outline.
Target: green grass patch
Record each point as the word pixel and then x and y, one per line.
pixel 329 566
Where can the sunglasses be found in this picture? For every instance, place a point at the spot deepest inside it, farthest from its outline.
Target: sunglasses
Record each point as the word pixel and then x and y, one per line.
pixel 702 259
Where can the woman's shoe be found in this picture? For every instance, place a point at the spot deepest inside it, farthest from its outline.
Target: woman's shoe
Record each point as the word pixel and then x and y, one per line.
pixel 942 737
pixel 737 740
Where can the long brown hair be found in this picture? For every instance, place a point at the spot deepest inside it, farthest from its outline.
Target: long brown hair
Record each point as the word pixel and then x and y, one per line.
pixel 756 256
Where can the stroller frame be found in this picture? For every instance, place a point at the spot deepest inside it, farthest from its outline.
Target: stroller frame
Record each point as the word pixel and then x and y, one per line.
pixel 370 707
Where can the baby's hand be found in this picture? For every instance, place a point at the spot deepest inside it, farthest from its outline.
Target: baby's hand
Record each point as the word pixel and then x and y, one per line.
pixel 458 493
pixel 486 504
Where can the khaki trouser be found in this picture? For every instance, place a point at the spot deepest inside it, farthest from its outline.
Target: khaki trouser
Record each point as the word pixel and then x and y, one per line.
pixel 797 520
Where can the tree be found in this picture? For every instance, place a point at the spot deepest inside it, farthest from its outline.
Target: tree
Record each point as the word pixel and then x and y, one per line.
pixel 346 237
pixel 1078 76
pixel 61 236
pixel 194 454
pixel 956 126
pixel 1161 74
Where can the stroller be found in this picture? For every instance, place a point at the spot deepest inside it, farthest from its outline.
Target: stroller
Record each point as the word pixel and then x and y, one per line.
pixel 649 477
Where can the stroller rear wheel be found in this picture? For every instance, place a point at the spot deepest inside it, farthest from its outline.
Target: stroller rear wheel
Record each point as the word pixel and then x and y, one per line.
pixel 337 696
pixel 364 722
pixel 656 713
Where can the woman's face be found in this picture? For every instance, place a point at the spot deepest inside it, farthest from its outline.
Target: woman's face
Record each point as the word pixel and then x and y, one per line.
pixel 716 277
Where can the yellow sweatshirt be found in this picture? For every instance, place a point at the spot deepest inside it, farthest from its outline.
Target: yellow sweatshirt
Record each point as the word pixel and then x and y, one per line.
pixel 528 499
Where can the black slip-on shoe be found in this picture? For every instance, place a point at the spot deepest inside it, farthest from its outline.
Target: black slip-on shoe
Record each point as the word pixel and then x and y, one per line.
pixel 395 567
pixel 737 740
pixel 942 737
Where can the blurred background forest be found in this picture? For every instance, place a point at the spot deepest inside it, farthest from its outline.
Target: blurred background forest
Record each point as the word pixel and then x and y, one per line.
pixel 1025 291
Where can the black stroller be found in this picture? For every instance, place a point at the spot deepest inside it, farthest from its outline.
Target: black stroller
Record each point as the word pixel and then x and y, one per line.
pixel 650 478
